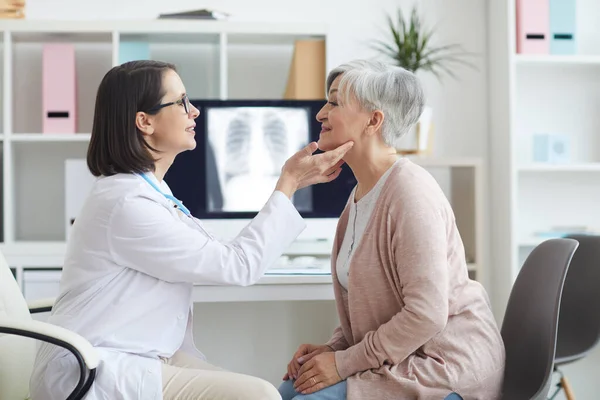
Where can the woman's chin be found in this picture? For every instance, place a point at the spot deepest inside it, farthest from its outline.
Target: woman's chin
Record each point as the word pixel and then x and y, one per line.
pixel 325 145
pixel 192 144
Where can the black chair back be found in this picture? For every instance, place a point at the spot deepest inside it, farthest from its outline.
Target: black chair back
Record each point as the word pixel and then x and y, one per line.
pixel 579 318
pixel 530 325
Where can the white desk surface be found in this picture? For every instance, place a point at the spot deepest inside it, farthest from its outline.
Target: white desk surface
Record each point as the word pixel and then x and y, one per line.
pixel 270 288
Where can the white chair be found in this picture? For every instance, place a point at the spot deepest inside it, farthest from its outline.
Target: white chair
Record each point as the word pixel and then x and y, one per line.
pixel 17 349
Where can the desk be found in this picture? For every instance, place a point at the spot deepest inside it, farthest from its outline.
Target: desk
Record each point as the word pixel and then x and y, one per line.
pixel 256 329
pixel 269 288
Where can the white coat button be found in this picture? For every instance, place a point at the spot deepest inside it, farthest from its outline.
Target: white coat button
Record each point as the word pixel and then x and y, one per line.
pixel 181 316
pixel 149 370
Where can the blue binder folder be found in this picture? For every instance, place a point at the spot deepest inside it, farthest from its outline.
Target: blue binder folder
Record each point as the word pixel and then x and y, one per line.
pixel 131 51
pixel 563 27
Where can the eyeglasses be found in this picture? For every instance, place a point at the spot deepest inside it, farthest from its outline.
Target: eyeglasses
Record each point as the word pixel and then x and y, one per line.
pixel 184 100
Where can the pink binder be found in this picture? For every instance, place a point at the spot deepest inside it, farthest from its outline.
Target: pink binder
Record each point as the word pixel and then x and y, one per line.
pixel 59 88
pixel 533 26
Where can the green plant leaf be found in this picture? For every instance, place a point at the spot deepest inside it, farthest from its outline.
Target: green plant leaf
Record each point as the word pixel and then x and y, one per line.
pixel 384 47
pixel 434 50
pixel 410 46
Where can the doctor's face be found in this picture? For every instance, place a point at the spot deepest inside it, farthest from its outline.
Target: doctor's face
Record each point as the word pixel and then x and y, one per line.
pixel 340 122
pixel 173 125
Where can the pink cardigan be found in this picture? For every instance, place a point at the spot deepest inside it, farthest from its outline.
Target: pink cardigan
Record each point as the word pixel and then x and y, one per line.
pixel 412 324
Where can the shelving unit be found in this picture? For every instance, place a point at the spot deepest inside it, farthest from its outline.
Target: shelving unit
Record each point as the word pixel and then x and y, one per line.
pixel 573 167
pixel 210 57
pixel 206 53
pixel 548 94
pixel 557 60
pixel 39 137
pixel 215 60
pixel 462 180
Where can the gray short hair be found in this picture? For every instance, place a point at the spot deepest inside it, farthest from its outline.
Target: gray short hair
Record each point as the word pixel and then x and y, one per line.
pixel 395 91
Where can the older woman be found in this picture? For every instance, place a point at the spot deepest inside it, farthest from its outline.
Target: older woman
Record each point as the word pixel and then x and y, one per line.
pixel 413 325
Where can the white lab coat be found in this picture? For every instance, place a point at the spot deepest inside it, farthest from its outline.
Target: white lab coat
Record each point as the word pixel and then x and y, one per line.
pixel 127 281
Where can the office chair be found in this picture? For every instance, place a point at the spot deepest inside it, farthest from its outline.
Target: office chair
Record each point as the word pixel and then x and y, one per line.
pixel 579 318
pixel 17 350
pixel 530 325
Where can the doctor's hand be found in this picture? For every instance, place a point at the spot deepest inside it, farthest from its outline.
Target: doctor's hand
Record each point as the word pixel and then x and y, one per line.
pixel 304 169
pixel 318 373
pixel 304 353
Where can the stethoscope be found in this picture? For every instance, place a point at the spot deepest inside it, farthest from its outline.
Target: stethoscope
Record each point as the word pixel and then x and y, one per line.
pixel 178 204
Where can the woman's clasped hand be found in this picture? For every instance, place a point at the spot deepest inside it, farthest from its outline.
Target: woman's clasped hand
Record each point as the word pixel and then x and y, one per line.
pixel 313 368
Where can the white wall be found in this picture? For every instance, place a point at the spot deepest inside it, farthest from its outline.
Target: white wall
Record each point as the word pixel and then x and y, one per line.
pixel 226 332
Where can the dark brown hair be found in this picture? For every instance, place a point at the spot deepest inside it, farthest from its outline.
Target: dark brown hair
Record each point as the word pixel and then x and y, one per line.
pixel 116 145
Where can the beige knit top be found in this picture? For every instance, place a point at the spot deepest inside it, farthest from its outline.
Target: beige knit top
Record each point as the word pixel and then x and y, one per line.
pixel 412 323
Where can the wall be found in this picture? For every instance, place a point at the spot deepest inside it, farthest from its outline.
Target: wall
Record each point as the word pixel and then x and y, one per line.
pixel 460 118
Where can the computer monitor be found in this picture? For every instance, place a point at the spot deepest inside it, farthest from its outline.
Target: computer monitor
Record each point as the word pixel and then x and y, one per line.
pixel 241 148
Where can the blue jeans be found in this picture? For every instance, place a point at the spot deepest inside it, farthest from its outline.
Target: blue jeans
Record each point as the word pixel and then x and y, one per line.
pixel 335 392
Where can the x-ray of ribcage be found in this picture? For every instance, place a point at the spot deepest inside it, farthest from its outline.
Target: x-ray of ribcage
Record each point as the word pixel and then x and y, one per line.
pixel 251 145
pixel 276 140
pixel 238 135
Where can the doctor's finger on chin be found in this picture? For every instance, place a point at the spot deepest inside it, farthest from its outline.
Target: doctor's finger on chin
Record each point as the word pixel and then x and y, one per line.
pixel 334 168
pixel 335 155
pixel 330 177
pixel 330 163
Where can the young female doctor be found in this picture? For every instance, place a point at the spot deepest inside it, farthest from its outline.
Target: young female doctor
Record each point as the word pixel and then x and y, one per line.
pixel 135 251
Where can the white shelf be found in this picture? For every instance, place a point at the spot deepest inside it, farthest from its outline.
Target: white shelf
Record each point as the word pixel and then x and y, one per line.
pixel 34 248
pixel 583 167
pixel 542 59
pixel 441 162
pixel 31 30
pixel 44 137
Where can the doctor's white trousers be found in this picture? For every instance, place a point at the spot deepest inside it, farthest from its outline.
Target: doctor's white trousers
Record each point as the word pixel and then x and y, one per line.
pixel 188 378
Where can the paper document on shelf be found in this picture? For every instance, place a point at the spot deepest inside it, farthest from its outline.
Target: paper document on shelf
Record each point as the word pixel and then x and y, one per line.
pixel 195 14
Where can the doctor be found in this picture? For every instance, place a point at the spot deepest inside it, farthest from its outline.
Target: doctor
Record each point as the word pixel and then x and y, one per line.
pixel 135 251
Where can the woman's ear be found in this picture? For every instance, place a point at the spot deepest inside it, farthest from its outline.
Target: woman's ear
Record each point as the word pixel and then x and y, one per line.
pixel 375 122
pixel 143 122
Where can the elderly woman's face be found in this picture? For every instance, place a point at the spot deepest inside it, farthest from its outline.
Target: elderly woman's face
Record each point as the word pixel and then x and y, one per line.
pixel 341 122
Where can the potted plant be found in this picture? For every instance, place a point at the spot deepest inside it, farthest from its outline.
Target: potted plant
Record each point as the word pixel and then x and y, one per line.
pixel 410 46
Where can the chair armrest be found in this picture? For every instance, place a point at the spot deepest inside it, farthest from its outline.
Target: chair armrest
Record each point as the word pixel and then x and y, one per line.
pixel 41 305
pixel 53 334
pixel 84 352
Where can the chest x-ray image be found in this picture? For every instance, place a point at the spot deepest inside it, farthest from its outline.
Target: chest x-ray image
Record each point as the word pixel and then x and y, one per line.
pixel 250 146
